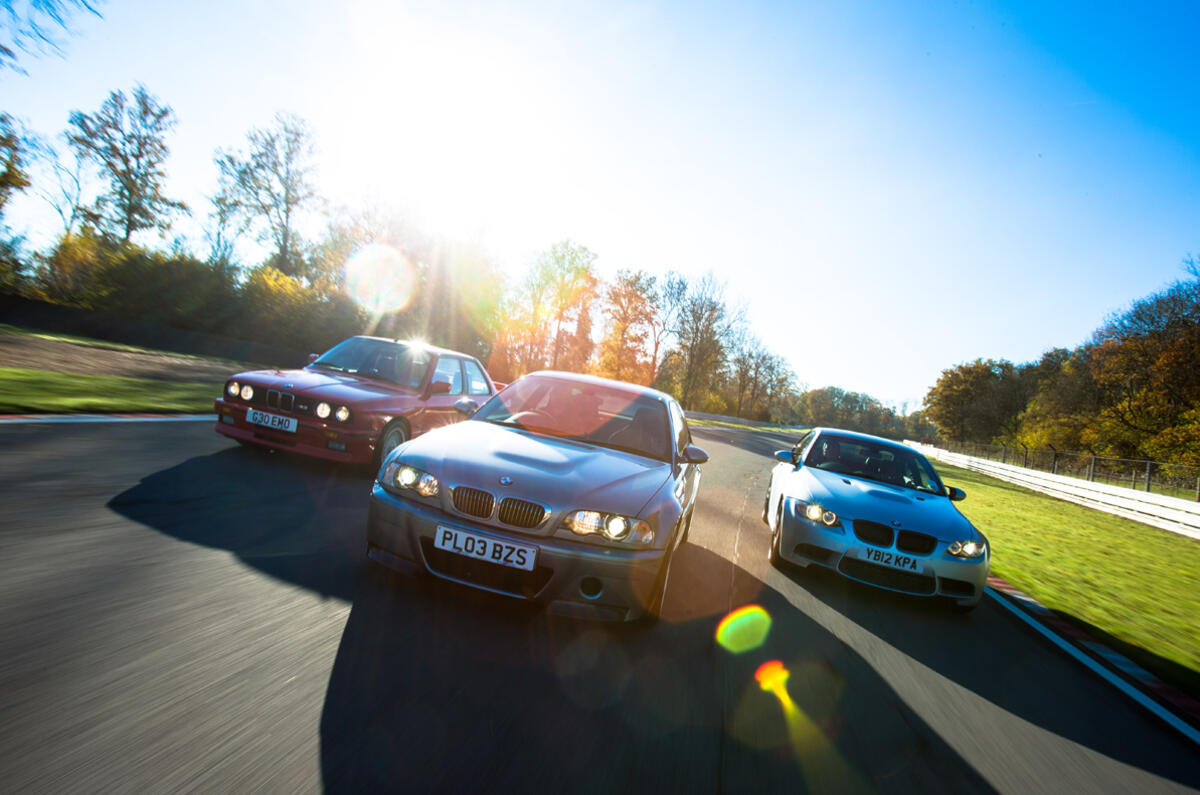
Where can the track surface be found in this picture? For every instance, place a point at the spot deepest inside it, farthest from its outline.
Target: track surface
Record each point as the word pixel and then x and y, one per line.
pixel 177 612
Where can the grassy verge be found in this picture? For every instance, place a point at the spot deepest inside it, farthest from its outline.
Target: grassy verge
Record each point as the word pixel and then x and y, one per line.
pixel 42 391
pixel 112 346
pixel 1136 584
pixel 743 427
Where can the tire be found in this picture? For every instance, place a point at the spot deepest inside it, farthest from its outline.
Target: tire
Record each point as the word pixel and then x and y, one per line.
pixel 654 608
pixel 766 509
pixel 394 434
pixel 773 555
pixel 687 528
pixel 964 609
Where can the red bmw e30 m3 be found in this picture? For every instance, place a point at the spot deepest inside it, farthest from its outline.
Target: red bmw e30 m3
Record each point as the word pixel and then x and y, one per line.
pixel 356 401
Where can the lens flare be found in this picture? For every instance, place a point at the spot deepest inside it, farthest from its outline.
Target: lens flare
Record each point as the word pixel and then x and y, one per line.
pixel 744 629
pixel 822 766
pixel 380 278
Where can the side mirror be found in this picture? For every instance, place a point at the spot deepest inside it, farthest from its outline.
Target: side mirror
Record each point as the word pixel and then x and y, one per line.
pixel 312 357
pixel 787 457
pixel 466 406
pixel 955 494
pixel 694 455
pixel 438 388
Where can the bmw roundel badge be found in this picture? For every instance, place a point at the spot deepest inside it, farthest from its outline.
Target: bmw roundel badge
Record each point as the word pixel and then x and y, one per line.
pixel 505 480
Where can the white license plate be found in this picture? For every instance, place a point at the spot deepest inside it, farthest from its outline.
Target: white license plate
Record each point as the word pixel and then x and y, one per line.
pixel 273 421
pixel 892 559
pixel 516 556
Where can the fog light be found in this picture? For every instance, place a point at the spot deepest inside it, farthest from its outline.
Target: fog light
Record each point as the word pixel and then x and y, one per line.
pixel 340 446
pixel 590 587
pixel 227 420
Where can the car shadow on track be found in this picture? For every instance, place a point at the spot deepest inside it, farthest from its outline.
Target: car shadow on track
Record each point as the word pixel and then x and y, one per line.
pixel 436 687
pixel 299 520
pixel 1027 678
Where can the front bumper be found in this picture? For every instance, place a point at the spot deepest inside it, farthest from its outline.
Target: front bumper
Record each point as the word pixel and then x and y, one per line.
pixel 317 438
pixel 938 573
pixel 570 578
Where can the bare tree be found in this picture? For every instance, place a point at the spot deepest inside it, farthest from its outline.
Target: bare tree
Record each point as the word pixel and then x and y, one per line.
pixel 701 331
pixel 34 27
pixel 67 184
pixel 271 185
pixel 126 140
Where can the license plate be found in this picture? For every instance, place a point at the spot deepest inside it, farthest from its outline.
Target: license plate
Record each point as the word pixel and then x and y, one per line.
pixel 516 556
pixel 273 421
pixel 891 559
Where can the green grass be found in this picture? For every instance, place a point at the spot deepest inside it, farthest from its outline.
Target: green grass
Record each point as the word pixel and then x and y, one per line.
pixel 42 391
pixel 112 346
pixel 743 427
pixel 1135 583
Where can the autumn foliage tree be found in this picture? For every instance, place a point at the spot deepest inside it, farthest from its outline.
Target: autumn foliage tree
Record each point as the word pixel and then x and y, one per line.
pixel 626 351
pixel 126 140
pixel 270 185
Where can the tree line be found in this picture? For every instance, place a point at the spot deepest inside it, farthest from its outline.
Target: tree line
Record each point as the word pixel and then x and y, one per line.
pixel 105 177
pixel 1131 391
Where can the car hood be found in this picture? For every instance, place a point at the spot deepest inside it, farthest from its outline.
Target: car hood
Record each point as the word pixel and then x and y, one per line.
pixel 857 498
pixel 323 384
pixel 561 474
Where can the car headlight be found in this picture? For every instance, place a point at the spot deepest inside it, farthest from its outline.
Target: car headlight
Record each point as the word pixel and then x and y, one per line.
pixel 815 513
pixel 405 477
pixel 967 549
pixel 342 414
pixel 612 526
pixel 233 388
pixel 324 410
pixel 247 392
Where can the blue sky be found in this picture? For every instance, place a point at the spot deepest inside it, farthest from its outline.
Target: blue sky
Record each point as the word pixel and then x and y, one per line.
pixel 887 191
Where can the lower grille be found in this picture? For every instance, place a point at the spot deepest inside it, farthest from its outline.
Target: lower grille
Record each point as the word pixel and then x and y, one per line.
pixel 474 502
pixel 516 582
pixel 820 554
pixel 283 440
pixel 916 543
pixel 952 587
pixel 879 535
pixel 887 578
pixel 521 513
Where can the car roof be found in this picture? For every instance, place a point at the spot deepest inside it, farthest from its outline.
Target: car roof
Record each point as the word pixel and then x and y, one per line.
pixel 866 437
pixel 610 383
pixel 415 344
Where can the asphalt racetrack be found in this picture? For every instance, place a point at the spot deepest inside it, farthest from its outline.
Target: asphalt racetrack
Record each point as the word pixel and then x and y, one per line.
pixel 177 612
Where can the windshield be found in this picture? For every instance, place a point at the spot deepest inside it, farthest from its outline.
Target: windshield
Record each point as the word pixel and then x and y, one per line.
pixel 593 413
pixel 885 463
pixel 390 361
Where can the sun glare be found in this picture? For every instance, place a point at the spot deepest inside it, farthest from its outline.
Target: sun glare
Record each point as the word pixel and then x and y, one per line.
pixel 458 129
pixel 380 278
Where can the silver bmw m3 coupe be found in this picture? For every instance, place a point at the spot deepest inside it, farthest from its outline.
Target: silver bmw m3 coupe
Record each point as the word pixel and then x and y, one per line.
pixel 874 511
pixel 565 489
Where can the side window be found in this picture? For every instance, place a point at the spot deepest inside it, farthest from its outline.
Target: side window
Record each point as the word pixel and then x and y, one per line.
pixel 418 367
pixel 477 383
pixel 449 369
pixel 804 440
pixel 684 436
